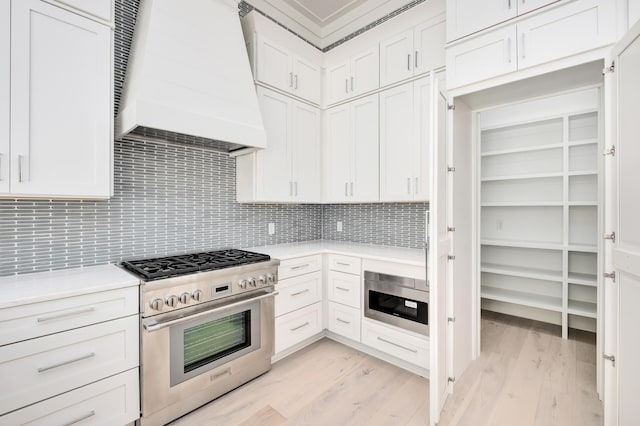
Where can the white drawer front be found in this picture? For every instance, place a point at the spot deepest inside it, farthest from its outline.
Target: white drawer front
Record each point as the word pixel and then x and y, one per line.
pixel 344 288
pixel 297 326
pixel 298 292
pixel 344 320
pixel 39 319
pixel 298 266
pixel 101 9
pixel 50 365
pixel 112 401
pixel 396 342
pixel 348 264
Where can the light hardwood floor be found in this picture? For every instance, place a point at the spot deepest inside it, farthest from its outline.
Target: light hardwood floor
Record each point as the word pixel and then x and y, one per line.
pixel 526 375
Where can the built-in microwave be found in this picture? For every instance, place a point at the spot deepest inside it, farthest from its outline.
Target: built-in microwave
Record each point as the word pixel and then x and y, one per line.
pixel 399 301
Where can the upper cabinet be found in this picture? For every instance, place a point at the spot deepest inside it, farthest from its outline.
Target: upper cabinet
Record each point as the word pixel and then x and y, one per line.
pixel 280 68
pixel 356 76
pixel 59 75
pixel 100 10
pixel 413 52
pixel 288 170
pixel 465 17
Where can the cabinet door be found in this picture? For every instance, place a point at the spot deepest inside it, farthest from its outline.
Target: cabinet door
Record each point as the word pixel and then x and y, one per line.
pixel 396 144
pixel 565 31
pixel 5 105
pixel 305 152
pixel 306 79
pixel 274 65
pixel 101 9
pixel 365 72
pixel 525 6
pixel 365 174
pixel 429 40
pixel 274 162
pixel 483 57
pixel 468 16
pixel 422 100
pixel 337 84
pixel 61 105
pixel 396 55
pixel 338 151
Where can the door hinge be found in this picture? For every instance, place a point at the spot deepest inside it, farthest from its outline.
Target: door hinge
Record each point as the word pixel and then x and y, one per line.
pixel 611 152
pixel 451 257
pixel 611 275
pixel 451 379
pixel 451 319
pixel 611 236
pixel 610 68
pixel 451 169
pixel 611 358
pixel 451 107
pixel 451 229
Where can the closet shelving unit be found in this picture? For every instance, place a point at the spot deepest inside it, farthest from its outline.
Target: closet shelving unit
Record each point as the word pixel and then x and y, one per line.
pixel 539 218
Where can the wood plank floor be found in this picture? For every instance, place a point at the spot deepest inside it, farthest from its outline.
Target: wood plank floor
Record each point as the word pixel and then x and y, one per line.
pixel 526 375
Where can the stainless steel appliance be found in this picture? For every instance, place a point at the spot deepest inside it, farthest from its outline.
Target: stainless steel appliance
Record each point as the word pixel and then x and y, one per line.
pixel 207 326
pixel 399 301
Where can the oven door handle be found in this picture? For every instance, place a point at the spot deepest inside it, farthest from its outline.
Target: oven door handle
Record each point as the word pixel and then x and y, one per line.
pixel 153 325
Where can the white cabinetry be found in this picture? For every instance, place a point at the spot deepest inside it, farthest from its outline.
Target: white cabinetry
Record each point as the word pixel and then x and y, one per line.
pixel 401 344
pixel 351 151
pixel 344 292
pixel 279 67
pixel 404 142
pixel 101 10
pixel 415 51
pixel 288 170
pixel 60 73
pixel 358 75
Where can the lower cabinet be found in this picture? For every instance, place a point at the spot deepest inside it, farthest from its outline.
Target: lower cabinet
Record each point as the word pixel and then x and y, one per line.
pixel 395 342
pixel 344 320
pixel 296 326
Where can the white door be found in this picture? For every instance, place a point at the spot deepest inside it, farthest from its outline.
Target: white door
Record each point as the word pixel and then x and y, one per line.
pixel 439 268
pixel 365 71
pixel 274 164
pixel 337 84
pixel 364 128
pixel 306 79
pixel 396 58
pixel 468 16
pixel 422 99
pixel 61 113
pixel 338 153
pixel 305 152
pixel 396 144
pixel 428 45
pixel 274 65
pixel 5 105
pixel 622 379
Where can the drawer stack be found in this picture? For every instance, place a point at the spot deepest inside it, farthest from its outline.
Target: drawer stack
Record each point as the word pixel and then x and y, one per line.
pixel 344 292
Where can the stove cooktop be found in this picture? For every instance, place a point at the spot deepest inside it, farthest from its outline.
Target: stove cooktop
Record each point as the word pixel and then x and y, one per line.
pixel 173 266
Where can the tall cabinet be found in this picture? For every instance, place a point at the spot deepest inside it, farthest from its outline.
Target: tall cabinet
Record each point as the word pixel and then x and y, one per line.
pixel 539 195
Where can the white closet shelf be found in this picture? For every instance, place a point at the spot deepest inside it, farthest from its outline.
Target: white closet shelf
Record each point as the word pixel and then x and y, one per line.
pixel 582 203
pixel 590 280
pixel 519 271
pixel 583 173
pixel 583 309
pixel 521 298
pixel 524 244
pixel 526 176
pixel 583 142
pixel 525 204
pixel 523 149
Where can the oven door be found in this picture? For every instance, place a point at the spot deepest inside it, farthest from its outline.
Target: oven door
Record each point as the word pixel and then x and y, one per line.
pixel 403 307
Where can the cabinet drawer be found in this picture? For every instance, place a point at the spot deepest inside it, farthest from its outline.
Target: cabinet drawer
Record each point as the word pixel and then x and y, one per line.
pixel 344 288
pixel 298 266
pixel 344 320
pixel 112 401
pixel 348 264
pixel 39 319
pixel 100 9
pixel 396 342
pixel 51 365
pixel 298 292
pixel 297 326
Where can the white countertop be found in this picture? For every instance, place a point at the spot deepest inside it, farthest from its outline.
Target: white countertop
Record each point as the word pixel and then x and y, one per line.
pixel 19 290
pixel 407 256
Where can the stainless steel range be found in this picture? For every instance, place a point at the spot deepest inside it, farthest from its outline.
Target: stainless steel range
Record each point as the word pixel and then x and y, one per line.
pixel 207 326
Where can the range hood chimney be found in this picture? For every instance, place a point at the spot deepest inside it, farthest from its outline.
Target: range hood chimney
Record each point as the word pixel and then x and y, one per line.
pixel 188 78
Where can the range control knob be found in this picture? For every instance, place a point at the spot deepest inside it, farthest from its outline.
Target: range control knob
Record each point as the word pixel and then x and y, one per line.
pixel 184 298
pixel 271 279
pixel 253 282
pixel 243 283
pixel 172 301
pixel 262 280
pixel 197 295
pixel 156 304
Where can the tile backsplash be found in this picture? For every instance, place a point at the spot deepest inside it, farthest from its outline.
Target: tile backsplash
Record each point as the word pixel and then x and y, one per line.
pixel 175 199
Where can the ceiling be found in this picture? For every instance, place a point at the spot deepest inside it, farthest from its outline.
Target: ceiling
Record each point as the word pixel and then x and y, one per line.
pixel 323 22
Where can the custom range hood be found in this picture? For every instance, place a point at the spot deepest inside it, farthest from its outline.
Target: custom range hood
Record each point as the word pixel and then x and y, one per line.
pixel 188 78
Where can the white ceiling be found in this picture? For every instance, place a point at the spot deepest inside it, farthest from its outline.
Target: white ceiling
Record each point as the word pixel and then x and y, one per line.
pixel 323 22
